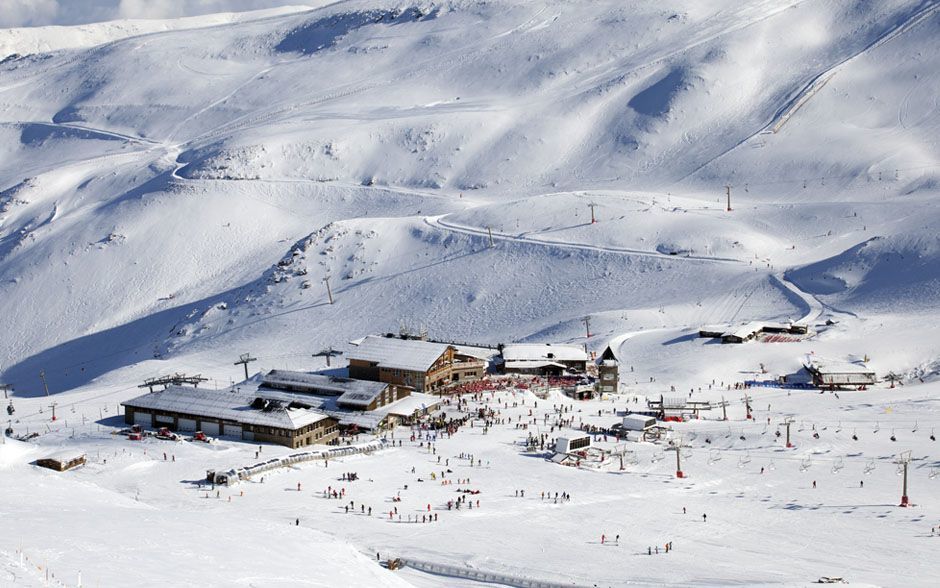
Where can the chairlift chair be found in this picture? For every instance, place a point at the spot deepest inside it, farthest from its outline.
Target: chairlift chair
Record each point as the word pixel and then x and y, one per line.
pixel 837 466
pixel 806 463
pixel 714 456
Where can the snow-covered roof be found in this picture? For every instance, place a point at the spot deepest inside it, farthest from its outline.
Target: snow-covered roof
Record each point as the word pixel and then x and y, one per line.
pixel 544 351
pixel 830 366
pixel 484 353
pixel 348 389
pixel 392 352
pixel 531 365
pixel 332 405
pixel 65 455
pixel 754 327
pixel 409 404
pixel 228 405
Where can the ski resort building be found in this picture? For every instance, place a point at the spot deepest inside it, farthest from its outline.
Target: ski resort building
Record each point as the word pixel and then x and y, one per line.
pixel 422 365
pixel 751 330
pixel 284 407
pixel 350 393
pixel 839 374
pixel 362 404
pixel 544 359
pixel 231 413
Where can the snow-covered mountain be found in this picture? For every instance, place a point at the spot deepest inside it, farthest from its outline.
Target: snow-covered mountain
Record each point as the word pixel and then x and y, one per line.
pixel 187 191
pixel 176 193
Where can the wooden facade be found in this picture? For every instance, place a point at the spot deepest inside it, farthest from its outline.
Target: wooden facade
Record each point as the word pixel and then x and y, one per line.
pixel 447 369
pixel 321 432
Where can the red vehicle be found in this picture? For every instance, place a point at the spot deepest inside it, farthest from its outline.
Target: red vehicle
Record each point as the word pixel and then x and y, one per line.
pixel 167 434
pixel 136 434
pixel 200 436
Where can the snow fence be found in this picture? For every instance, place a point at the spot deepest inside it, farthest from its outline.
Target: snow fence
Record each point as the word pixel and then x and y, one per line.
pixel 233 476
pixel 481 576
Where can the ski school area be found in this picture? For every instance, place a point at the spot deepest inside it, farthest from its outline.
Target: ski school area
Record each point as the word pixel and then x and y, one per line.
pixel 510 478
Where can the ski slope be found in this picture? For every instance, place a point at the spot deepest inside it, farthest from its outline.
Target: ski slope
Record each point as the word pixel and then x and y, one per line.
pixel 175 193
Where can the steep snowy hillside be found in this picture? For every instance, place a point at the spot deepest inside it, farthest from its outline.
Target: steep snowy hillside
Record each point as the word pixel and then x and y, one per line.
pixel 27 41
pixel 151 186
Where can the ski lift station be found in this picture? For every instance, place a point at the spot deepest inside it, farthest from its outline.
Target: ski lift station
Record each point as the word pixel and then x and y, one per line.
pixel 638 422
pixel 567 445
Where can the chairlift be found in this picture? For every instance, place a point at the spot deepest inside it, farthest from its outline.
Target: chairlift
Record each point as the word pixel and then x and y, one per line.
pixel 744 459
pixel 870 466
pixel 934 473
pixel 877 427
pixel 839 428
pixel 771 466
pixel 686 452
pixel 714 456
pixel 10 409
pixel 806 463
pixel 932 436
pixel 742 437
pixel 658 456
pixel 802 428
pixel 893 437
pixel 837 466
pixel 777 433
pixel 815 434
pixel 854 435
pixel 914 430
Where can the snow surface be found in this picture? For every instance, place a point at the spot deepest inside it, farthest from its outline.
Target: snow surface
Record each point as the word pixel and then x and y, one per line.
pixel 172 197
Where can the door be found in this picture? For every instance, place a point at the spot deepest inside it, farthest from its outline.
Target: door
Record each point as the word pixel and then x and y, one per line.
pixel 233 431
pixel 248 436
pixel 143 418
pixel 187 424
pixel 210 428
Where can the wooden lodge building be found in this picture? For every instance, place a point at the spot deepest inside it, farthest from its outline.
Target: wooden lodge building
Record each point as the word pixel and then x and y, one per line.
pixel 828 374
pixel 422 365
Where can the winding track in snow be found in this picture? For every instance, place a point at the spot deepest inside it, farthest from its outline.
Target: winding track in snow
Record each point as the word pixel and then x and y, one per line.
pixel 438 223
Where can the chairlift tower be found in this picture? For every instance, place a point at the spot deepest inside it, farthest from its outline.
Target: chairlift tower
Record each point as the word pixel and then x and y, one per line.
pixel 244 359
pixel 903 461
pixel 786 423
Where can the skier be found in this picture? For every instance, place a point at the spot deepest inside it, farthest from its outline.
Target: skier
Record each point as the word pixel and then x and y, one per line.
pixel 297 522
pixel 704 517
